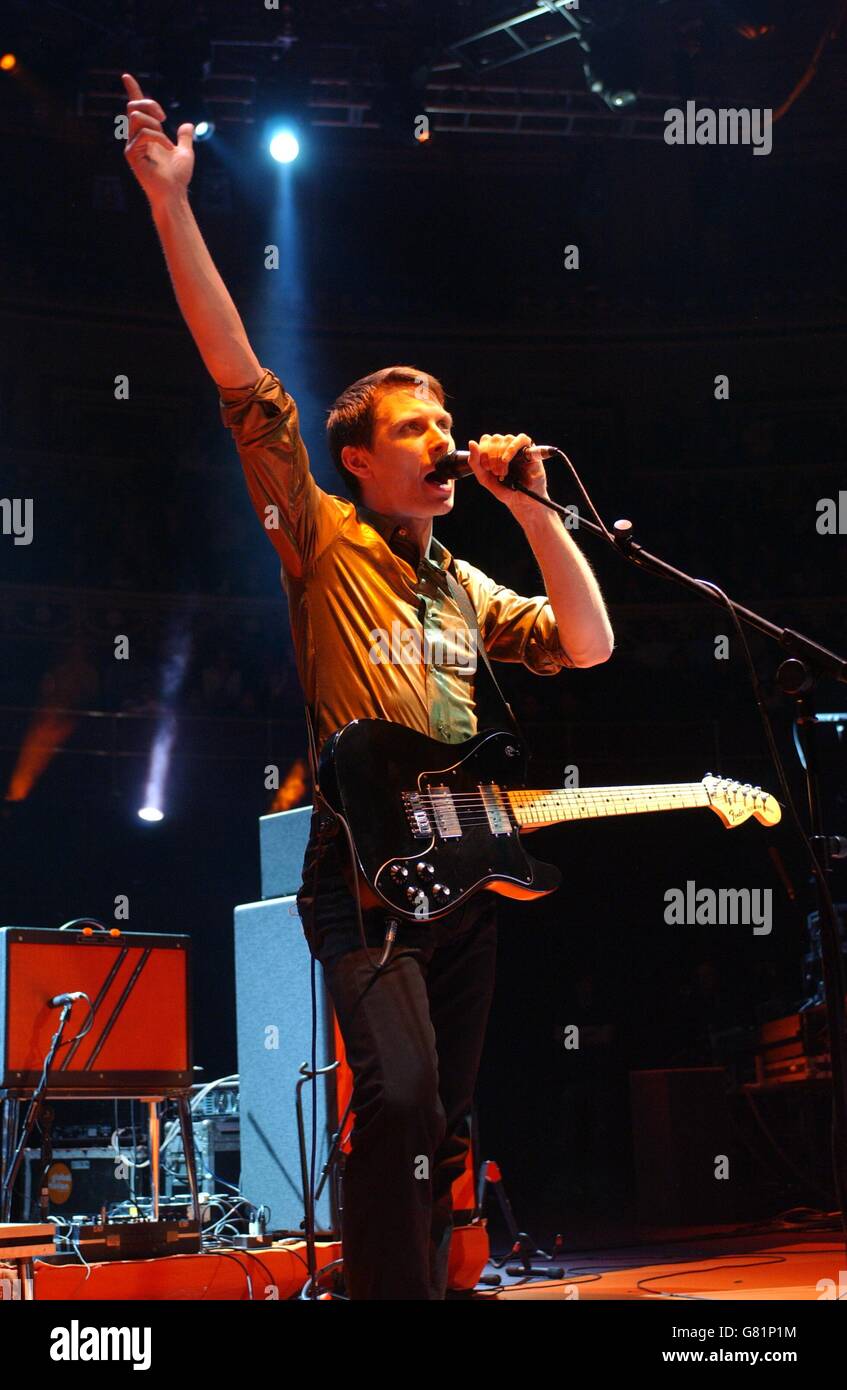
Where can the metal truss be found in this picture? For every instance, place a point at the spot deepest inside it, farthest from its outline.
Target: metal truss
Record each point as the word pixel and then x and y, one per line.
pixel 454 106
pixel 476 107
pixel 509 42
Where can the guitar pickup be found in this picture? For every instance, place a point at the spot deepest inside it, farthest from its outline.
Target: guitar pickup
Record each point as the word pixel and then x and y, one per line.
pixel 444 813
pixel 495 809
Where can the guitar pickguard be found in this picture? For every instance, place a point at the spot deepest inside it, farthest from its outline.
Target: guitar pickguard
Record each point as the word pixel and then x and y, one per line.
pixel 430 821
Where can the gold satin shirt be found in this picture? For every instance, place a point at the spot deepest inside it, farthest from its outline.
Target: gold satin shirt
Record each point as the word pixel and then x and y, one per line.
pixel 371 627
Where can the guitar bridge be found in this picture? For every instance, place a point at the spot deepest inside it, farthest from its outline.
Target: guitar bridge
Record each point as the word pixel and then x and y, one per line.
pixel 417 816
pixel 432 811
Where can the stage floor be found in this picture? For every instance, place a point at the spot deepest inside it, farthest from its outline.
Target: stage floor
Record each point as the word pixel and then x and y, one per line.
pixel 710 1265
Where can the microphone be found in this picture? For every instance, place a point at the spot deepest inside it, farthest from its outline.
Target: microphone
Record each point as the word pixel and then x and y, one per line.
pixel 457 463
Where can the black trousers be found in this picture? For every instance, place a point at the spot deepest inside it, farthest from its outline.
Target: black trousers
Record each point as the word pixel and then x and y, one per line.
pixel 413 1034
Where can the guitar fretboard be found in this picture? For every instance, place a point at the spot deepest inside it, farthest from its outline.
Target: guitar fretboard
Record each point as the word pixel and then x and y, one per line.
pixel 551 807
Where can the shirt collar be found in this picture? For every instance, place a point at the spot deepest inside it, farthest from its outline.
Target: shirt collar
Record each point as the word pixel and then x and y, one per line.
pixel 388 527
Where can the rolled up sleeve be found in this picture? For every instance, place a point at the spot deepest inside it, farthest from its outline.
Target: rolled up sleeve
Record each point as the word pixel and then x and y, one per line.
pixel 299 517
pixel 515 628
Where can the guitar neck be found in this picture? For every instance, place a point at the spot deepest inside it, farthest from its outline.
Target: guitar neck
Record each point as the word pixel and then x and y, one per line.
pixel 538 808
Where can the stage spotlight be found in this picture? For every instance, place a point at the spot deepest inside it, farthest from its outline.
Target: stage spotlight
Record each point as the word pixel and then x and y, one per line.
pixel 8 62
pixel 284 146
pixel 616 94
pixel 752 19
pixel 204 130
pixel 157 772
pixel 615 61
pixel 175 664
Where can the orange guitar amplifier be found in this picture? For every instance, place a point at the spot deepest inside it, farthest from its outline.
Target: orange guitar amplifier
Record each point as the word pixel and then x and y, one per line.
pixel 794 1048
pixel 137 1037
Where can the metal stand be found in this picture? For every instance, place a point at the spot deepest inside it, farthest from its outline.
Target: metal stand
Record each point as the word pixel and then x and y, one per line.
pixel 523 1247
pixel 807 662
pixel 12 1099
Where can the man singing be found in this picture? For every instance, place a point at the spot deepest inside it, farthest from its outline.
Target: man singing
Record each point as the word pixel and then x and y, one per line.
pixel 414 1028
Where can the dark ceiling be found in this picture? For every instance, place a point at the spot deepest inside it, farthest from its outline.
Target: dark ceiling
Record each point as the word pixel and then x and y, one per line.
pixel 379 61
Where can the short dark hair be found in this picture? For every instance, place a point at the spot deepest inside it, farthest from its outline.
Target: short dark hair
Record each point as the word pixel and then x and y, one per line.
pixel 352 416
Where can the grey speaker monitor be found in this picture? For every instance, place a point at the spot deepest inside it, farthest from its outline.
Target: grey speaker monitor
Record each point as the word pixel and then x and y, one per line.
pixel 274 1030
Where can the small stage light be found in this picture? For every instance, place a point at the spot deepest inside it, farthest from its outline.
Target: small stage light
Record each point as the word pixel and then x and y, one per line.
pixel 8 62
pixel 284 147
pixel 204 130
pixel 151 813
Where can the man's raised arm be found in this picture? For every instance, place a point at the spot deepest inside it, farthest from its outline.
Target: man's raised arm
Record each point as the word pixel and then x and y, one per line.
pixel 164 171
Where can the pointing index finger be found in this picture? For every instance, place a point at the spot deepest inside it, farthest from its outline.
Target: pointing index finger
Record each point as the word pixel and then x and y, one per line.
pixel 138 101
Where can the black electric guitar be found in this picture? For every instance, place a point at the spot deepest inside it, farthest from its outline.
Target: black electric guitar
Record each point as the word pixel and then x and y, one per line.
pixel 433 823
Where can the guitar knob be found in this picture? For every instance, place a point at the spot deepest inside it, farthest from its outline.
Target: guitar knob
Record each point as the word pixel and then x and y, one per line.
pixel 424 871
pixel 398 872
pixel 440 890
pixel 415 895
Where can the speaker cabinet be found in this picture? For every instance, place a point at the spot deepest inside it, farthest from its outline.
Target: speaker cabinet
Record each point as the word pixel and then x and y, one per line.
pixel 274 1020
pixel 273 966
pixel 682 1143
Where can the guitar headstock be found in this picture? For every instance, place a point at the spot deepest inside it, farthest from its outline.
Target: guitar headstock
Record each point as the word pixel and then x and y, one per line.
pixel 736 802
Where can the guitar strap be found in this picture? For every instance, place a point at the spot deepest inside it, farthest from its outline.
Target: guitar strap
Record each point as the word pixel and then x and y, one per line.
pixel 313 747
pixel 492 705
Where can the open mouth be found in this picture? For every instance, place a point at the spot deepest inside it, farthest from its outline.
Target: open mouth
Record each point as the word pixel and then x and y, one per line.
pixel 437 481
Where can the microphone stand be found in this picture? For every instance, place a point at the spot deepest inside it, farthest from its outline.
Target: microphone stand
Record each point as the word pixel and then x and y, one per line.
pixel 806 662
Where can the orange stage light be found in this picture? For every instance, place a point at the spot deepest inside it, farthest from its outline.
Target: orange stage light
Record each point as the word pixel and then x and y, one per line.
pixel 48 732
pixel 8 62
pixel 293 788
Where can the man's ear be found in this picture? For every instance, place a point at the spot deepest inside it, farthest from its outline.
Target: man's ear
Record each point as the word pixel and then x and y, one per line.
pixel 355 461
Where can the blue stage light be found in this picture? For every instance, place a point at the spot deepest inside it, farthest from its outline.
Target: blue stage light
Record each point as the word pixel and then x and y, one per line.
pixel 204 130
pixel 284 146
